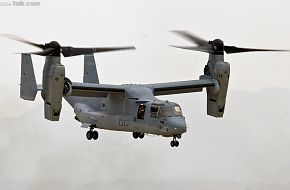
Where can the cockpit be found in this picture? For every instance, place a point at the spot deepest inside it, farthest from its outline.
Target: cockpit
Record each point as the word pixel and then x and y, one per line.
pixel 164 111
pixel 164 116
pixel 160 110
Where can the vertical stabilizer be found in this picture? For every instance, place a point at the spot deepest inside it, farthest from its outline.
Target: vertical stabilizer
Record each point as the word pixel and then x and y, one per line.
pixel 90 70
pixel 28 86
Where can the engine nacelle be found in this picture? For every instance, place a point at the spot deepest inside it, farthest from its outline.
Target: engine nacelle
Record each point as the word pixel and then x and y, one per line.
pixel 53 87
pixel 67 88
pixel 216 96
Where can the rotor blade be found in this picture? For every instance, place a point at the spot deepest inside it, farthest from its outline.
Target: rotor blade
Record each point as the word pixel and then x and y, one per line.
pixel 22 40
pixel 45 52
pixel 206 49
pixel 193 38
pixel 234 49
pixel 68 51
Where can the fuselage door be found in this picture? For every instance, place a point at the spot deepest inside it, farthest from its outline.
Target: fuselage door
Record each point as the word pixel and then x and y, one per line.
pixel 141 111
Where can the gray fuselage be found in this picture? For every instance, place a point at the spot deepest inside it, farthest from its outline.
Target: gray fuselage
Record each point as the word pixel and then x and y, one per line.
pixel 137 110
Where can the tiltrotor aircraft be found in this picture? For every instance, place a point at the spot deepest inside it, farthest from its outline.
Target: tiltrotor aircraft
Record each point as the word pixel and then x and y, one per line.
pixel 129 107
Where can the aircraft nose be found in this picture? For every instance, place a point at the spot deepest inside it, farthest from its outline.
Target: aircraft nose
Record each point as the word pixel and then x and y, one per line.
pixel 177 124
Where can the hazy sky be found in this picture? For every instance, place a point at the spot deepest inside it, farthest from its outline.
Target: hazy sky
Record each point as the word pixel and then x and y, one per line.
pixel 248 149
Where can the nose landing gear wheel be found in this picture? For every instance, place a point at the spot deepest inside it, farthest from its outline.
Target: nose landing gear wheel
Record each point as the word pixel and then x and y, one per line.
pixel 174 142
pixel 91 134
pixel 137 135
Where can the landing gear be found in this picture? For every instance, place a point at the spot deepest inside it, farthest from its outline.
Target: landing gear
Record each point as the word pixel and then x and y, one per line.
pixel 174 142
pixel 137 135
pixel 91 134
pixel 95 135
pixel 141 135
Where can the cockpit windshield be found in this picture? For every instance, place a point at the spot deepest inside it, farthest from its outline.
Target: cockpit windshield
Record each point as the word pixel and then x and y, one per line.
pixel 163 111
pixel 177 110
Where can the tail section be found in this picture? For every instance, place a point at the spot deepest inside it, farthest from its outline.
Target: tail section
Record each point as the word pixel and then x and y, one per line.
pixel 28 86
pixel 90 70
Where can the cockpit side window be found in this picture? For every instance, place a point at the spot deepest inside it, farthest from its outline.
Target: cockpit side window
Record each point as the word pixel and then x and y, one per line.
pixel 154 111
pixel 141 111
pixel 165 111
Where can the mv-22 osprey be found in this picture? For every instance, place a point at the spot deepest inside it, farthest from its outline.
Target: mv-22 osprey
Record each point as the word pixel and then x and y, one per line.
pixel 131 108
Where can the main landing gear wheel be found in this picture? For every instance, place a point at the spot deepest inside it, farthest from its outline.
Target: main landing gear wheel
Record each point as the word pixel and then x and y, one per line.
pixel 174 142
pixel 141 135
pixel 91 134
pixel 137 135
pixel 95 135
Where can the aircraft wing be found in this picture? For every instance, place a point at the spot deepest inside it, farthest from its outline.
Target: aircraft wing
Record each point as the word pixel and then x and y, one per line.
pixel 102 90
pixel 180 87
pixel 95 90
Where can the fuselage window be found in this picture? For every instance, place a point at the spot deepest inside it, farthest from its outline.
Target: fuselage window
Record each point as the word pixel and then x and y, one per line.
pixel 141 111
pixel 154 111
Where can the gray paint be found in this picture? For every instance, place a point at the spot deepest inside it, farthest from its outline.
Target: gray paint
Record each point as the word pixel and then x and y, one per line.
pixel 28 86
pixel 247 149
pixel 90 70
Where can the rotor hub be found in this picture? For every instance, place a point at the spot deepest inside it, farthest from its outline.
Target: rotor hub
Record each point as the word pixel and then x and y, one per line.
pixel 218 46
pixel 53 44
pixel 55 48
